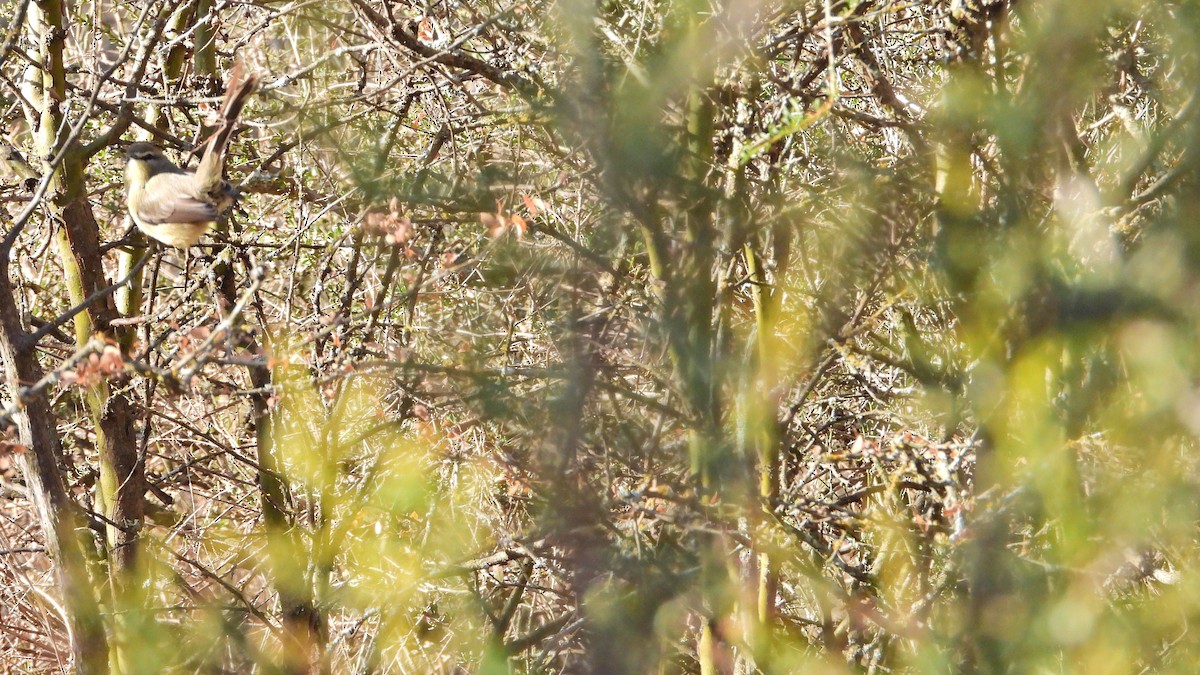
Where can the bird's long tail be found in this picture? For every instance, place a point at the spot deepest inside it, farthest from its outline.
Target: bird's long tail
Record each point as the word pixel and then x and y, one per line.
pixel 237 93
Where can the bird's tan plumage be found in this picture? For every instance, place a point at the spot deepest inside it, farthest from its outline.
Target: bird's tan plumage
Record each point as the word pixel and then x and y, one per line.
pixel 175 206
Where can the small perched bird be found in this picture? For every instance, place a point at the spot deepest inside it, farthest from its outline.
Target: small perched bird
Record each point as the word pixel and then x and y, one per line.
pixel 176 206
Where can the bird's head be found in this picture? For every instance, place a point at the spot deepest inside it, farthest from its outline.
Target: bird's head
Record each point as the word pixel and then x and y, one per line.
pixel 143 161
pixel 143 152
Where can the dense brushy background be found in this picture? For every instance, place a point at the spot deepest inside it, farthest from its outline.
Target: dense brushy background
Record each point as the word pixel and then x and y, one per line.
pixel 614 337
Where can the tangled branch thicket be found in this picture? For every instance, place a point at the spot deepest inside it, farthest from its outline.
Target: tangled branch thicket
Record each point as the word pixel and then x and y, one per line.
pixel 850 335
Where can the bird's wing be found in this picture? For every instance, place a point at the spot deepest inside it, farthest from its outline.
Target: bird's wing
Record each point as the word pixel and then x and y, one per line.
pixel 171 198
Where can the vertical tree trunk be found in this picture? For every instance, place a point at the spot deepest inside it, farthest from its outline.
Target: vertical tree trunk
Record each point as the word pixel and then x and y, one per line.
pixel 303 622
pixel 121 486
pixel 62 524
pixel 122 480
